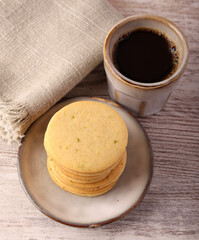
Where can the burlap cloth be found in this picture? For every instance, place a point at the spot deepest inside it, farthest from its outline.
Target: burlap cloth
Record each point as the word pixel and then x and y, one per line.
pixel 46 48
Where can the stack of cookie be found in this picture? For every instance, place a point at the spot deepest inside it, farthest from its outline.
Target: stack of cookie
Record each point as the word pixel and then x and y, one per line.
pixel 86 147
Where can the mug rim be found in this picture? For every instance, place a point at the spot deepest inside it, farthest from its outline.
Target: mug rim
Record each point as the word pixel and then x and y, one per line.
pixel 128 81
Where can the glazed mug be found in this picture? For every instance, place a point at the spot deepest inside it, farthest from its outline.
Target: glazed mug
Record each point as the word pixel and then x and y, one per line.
pixel 143 99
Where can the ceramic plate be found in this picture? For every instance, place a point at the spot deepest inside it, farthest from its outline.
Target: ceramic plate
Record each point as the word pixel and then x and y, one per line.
pixel 84 211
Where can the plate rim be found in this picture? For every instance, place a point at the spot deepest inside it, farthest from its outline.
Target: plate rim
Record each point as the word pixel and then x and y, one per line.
pixel 101 223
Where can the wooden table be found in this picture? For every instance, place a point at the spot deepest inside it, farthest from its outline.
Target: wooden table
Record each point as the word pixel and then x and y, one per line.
pixel 170 209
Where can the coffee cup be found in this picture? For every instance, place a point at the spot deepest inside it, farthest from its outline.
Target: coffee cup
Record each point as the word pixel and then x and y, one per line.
pixel 143 97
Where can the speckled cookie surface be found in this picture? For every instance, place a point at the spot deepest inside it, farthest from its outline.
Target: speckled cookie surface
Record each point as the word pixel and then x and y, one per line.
pixel 86 137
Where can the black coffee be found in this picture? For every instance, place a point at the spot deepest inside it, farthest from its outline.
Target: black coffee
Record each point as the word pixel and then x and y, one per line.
pixel 145 55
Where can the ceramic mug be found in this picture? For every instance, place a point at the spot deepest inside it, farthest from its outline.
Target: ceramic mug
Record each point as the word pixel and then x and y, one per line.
pixel 143 99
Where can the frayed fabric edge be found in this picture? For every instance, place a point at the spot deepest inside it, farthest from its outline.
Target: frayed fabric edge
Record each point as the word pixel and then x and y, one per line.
pixel 14 121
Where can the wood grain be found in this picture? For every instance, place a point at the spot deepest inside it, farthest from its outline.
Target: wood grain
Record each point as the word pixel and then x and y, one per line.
pixel 170 209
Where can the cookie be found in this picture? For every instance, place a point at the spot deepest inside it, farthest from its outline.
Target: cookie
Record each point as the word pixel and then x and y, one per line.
pixel 86 137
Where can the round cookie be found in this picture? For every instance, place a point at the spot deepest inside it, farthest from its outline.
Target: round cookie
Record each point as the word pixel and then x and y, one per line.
pixel 112 177
pixel 83 193
pixel 87 193
pixel 85 175
pixel 76 177
pixel 86 137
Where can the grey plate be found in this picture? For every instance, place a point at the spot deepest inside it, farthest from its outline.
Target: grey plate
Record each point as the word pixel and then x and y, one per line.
pixel 84 211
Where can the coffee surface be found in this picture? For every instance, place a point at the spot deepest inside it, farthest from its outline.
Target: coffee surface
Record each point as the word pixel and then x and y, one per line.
pixel 145 55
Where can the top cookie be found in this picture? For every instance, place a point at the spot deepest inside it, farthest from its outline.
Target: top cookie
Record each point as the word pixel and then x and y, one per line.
pixel 86 136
